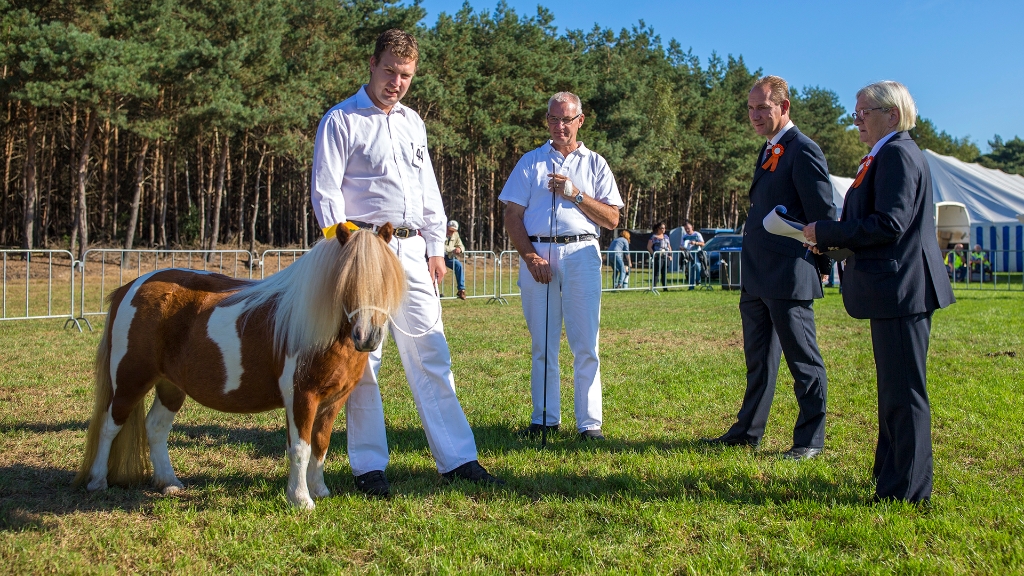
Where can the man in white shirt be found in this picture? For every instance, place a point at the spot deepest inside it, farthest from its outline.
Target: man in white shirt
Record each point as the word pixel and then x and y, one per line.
pixel 371 167
pixel 560 260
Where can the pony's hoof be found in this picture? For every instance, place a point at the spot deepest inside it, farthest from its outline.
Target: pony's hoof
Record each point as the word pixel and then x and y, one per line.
pixel 302 503
pixel 97 484
pixel 320 492
pixel 172 489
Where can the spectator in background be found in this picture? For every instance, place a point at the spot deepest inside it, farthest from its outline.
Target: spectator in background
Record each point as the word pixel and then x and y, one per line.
pixel 692 241
pixel 979 263
pixel 955 266
pixel 453 247
pixel 621 261
pixel 660 249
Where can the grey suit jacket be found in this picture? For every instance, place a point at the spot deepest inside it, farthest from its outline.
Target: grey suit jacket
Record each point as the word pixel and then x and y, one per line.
pixel 775 266
pixel 889 223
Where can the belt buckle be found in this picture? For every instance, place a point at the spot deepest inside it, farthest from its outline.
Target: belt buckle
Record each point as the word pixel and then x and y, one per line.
pixel 402 233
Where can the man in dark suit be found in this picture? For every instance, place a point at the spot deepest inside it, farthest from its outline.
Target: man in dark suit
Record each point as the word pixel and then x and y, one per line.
pixel 780 279
pixel 896 278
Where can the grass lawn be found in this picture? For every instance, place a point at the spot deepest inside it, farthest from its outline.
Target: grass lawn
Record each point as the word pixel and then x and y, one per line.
pixel 648 500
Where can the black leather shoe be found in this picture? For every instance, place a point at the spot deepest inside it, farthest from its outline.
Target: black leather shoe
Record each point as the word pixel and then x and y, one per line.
pixel 535 430
pixel 800 453
pixel 591 435
pixel 373 484
pixel 473 472
pixel 726 440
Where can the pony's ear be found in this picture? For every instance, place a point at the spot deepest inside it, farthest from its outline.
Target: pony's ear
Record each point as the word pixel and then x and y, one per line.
pixel 386 232
pixel 343 233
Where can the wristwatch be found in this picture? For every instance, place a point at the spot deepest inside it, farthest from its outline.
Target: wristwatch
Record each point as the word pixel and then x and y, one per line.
pixel 578 199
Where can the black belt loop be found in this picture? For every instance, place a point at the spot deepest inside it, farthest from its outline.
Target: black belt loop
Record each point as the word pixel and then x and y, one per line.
pixel 562 239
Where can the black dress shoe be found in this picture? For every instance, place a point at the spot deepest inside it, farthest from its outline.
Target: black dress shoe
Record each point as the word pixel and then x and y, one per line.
pixel 800 453
pixel 726 440
pixel 591 435
pixel 535 430
pixel 373 484
pixel 473 472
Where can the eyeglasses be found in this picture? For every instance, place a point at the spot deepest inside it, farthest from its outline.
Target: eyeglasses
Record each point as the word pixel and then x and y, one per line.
pixel 860 115
pixel 556 120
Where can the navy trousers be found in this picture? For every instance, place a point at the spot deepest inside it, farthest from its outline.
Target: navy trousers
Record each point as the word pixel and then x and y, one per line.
pixel 772 328
pixel 903 457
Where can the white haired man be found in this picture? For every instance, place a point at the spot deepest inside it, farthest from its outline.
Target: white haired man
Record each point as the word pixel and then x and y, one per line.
pixel 560 260
pixel 371 167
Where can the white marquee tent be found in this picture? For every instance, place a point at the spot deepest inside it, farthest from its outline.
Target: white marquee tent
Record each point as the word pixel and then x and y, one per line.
pixel 993 199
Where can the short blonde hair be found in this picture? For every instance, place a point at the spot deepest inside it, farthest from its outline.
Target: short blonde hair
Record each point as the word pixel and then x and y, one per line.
pixel 778 89
pixel 892 94
pixel 400 43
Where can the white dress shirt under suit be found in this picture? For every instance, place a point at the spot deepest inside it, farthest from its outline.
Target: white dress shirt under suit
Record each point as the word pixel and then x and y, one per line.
pixel 575 289
pixel 373 167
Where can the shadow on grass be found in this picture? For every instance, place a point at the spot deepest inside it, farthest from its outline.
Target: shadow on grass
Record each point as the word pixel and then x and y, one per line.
pixel 28 494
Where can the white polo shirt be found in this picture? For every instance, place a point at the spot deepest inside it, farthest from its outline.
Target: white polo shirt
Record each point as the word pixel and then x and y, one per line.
pixel 527 186
pixel 374 167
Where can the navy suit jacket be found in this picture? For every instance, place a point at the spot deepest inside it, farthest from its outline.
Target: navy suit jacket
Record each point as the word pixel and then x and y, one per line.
pixel 774 266
pixel 889 223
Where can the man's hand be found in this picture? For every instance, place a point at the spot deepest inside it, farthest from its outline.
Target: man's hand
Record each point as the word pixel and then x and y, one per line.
pixel 560 184
pixel 436 268
pixel 809 233
pixel 539 268
pixel 457 251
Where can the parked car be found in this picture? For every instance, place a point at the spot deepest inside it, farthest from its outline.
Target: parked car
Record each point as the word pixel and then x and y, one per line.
pixel 721 243
pixel 710 233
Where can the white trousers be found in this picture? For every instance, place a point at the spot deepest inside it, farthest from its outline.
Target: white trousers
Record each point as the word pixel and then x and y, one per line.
pixel 428 369
pixel 575 297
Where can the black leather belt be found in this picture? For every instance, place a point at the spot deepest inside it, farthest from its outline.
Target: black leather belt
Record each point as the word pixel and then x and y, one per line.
pixel 398 233
pixel 562 239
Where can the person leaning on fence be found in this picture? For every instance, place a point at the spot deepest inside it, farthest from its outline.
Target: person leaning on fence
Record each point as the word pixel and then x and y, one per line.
pixel 371 167
pixel 453 247
pixel 560 260
pixel 780 281
pixel 895 279
pixel 621 260
pixel 660 249
pixel 692 241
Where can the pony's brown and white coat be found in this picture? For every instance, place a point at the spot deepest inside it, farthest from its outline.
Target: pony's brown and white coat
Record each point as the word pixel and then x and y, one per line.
pixel 290 341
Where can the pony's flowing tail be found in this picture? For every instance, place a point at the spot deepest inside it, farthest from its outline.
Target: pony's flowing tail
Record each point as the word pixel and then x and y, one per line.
pixel 129 463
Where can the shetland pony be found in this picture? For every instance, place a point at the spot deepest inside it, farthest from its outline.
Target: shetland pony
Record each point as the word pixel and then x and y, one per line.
pixel 298 340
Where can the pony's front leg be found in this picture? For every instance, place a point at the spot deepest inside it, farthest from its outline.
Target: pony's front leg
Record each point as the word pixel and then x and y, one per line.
pixel 321 435
pixel 167 402
pixel 300 416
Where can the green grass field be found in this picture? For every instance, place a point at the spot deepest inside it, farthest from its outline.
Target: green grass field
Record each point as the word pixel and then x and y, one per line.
pixel 648 500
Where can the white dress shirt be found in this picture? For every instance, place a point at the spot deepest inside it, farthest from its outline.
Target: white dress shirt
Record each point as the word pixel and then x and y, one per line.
pixel 374 167
pixel 527 186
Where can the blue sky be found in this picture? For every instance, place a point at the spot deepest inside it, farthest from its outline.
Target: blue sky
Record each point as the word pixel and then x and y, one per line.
pixel 963 61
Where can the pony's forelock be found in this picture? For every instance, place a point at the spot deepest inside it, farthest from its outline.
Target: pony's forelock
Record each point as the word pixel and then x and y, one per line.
pixel 311 296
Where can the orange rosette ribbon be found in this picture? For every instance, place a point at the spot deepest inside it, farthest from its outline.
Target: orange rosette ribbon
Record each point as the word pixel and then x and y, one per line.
pixel 773 160
pixel 863 171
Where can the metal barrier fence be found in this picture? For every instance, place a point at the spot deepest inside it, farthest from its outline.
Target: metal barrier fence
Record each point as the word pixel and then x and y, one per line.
pixel 984 269
pixel 103 270
pixel 38 284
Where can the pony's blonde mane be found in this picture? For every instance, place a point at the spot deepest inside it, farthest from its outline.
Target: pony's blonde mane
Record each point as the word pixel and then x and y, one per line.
pixel 312 296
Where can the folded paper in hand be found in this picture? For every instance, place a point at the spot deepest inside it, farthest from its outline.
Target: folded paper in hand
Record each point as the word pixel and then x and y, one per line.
pixel 780 223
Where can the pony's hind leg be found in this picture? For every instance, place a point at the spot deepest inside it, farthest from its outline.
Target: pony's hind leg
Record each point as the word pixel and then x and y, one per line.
pixel 321 436
pixel 166 403
pixel 98 472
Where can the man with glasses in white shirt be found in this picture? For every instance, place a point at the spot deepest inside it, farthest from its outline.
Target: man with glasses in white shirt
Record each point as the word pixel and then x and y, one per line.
pixel 371 167
pixel 560 260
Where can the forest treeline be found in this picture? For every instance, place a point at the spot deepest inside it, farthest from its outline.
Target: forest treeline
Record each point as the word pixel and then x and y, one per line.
pixel 189 123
